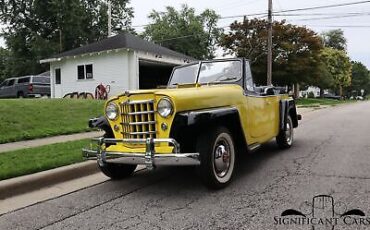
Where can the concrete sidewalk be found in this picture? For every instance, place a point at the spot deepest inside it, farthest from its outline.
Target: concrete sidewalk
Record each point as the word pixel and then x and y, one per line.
pixel 47 141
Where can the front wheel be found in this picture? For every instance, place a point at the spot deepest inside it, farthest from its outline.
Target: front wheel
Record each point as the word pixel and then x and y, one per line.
pixel 217 157
pixel 285 137
pixel 117 171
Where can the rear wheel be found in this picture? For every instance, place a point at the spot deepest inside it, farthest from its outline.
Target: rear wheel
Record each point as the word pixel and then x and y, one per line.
pixel 217 156
pixel 20 95
pixel 117 171
pixel 286 136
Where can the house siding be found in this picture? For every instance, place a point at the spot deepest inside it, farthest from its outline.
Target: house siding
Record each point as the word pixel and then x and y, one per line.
pixel 115 68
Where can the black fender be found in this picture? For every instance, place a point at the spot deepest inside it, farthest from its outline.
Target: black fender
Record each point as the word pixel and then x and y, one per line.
pixel 187 125
pixel 288 107
pixel 101 123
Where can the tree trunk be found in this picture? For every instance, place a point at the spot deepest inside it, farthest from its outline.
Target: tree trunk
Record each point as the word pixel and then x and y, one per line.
pixel 341 91
pixel 321 92
pixel 296 90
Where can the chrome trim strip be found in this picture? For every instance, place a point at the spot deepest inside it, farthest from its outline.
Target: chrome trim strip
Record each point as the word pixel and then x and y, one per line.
pixel 137 102
pixel 140 133
pixel 139 123
pixel 139 113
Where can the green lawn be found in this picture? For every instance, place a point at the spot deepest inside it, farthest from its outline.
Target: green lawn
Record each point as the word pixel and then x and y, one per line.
pixel 32 160
pixel 317 102
pixel 22 119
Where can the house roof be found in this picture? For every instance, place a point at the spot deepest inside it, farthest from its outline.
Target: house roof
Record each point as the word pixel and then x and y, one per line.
pixel 123 40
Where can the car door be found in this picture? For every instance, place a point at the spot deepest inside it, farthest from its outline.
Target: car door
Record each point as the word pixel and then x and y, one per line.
pixel 10 88
pixel 261 111
pixel 4 88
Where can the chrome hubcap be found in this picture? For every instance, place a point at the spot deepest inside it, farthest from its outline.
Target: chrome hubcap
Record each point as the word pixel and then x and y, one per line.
pixel 222 158
pixel 289 133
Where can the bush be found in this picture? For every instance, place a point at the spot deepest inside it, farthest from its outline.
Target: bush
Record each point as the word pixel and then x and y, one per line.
pixel 311 95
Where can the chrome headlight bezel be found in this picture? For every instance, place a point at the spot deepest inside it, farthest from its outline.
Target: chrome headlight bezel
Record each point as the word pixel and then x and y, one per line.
pixel 165 107
pixel 111 111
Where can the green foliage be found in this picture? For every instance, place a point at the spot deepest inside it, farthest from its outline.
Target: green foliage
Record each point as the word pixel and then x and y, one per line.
pixel 360 78
pixel 184 31
pixel 37 29
pixel 32 160
pixel 295 50
pixel 334 39
pixel 4 69
pixel 23 119
pixel 339 67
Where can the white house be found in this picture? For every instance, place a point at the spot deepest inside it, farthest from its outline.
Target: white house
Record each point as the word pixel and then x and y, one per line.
pixel 311 89
pixel 124 62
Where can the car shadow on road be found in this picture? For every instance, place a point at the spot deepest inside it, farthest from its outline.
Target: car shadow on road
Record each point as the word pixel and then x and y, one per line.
pixel 187 178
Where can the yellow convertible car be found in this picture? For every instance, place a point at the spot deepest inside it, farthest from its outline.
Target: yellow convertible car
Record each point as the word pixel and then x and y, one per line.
pixel 209 112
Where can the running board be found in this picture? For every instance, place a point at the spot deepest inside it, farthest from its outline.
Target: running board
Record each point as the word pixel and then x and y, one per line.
pixel 253 146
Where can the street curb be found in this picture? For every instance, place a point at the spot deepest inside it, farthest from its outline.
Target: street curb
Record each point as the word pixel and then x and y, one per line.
pixel 24 184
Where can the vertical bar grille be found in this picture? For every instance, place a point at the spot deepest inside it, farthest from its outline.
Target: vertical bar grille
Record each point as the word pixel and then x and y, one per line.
pixel 138 119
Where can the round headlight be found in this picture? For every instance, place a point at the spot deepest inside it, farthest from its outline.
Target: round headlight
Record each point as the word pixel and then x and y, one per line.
pixel 111 111
pixel 165 107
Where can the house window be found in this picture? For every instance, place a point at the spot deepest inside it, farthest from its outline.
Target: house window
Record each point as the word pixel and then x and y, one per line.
pixel 57 76
pixel 85 72
pixel 80 72
pixel 89 71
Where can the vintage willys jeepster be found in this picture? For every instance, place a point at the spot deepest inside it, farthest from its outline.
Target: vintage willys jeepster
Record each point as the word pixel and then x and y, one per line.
pixel 209 112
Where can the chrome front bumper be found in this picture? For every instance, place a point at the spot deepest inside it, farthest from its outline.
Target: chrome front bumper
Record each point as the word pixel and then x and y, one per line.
pixel 150 158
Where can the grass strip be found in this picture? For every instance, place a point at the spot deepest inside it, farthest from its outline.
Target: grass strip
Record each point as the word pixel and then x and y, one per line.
pixel 317 102
pixel 25 119
pixel 32 160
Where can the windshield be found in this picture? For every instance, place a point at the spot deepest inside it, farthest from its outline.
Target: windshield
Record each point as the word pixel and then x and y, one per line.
pixel 220 71
pixel 210 72
pixel 184 75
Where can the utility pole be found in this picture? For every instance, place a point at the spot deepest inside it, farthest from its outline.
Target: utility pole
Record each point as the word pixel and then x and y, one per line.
pixel 269 45
pixel 109 18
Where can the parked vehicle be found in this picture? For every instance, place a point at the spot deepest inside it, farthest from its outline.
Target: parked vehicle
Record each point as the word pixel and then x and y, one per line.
pixel 331 96
pixel 26 86
pixel 209 112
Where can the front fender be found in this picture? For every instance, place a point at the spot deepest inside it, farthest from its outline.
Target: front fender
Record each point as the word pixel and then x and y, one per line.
pixel 187 125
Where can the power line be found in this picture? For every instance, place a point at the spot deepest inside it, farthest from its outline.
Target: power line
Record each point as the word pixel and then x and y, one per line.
pixel 331 17
pixel 341 26
pixel 321 14
pixel 299 9
pixel 276 13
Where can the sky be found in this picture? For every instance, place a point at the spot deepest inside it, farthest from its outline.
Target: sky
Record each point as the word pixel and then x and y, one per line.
pixel 358 36
pixel 358 45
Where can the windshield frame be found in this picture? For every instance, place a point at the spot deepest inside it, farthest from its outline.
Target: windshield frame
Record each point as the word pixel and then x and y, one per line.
pixel 199 63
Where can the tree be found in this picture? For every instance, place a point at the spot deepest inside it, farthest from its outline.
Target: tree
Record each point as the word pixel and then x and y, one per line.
pixel 184 31
pixel 360 78
pixel 4 55
pixel 37 29
pixel 295 50
pixel 334 39
pixel 338 65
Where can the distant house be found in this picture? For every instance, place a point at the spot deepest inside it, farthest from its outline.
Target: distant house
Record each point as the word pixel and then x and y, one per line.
pixel 313 90
pixel 124 62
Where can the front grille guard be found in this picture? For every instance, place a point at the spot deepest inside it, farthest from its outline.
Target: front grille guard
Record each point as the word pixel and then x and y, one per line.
pixel 138 119
pixel 150 158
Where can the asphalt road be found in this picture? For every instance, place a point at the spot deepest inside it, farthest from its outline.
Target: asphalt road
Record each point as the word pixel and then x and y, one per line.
pixel 331 156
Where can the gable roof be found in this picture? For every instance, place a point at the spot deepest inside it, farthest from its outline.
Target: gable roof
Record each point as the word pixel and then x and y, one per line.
pixel 123 40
